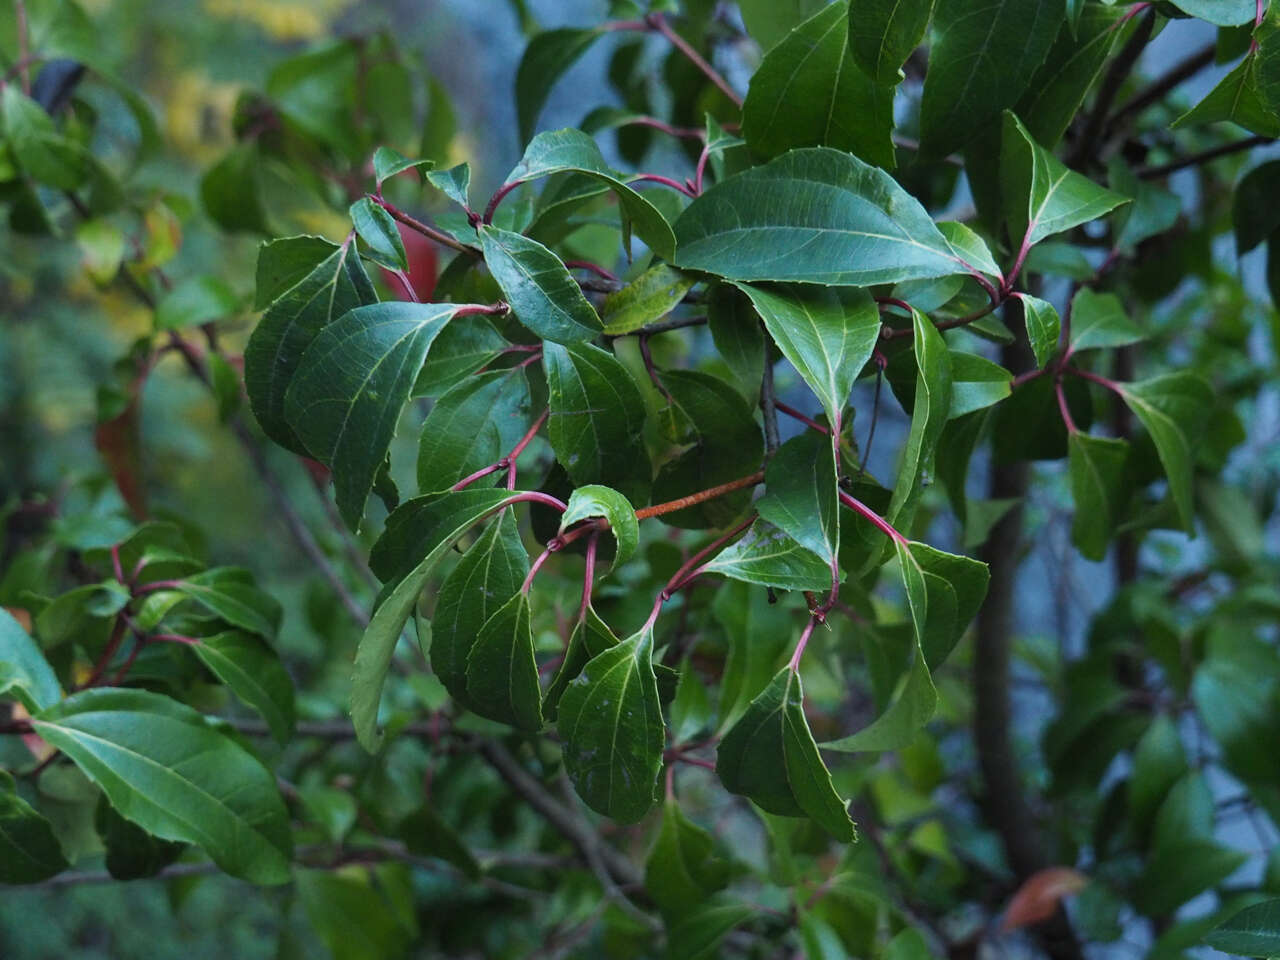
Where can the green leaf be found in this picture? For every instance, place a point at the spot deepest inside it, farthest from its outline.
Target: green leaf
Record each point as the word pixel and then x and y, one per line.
pixel 682 870
pixel 698 933
pixel 131 852
pixel 769 557
pixel 351 385
pixel 1253 932
pixel 828 335
pixel 388 162
pixel 735 331
pixel 563 151
pixel 981 61
pixel 195 301
pixel 1235 99
pixel 976 383
pixel 1055 95
pixel 882 34
pixel 1044 326
pixel 308 289
pixel 380 234
pixel 1098 468
pixel 649 297
pixel 1159 761
pixel 454 183
pixel 1177 873
pixel 29 849
pixel 969 248
pixel 1221 13
pixel 768 21
pixel 808 92
pixel 41 152
pixel 769 757
pixel 1254 215
pixel 597 419
pixel 545 60
pixel 165 769
pixel 759 633
pixel 591 637
pixel 594 500
pixel 228 592
pixel 231 191
pixel 1172 407
pixel 929 416
pixel 910 708
pixel 817 216
pixel 1041 196
pixel 466 346
pixel 502 674
pixel 726 445
pixel 541 291
pixel 428 834
pixel 352 918
pixel 611 722
pixel 488 575
pixel 25 674
pixel 801 494
pixel 418 535
pixel 1099 320
pixel 1154 210
pixel 471 426
pixel 254 673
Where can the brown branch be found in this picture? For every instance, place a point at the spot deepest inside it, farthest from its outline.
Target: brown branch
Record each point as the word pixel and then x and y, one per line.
pixel 693 499
pixel 1183 70
pixel 1114 78
pixel 1204 156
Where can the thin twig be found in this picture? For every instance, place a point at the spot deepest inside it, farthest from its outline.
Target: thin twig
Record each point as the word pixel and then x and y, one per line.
pixel 1204 156
pixel 658 22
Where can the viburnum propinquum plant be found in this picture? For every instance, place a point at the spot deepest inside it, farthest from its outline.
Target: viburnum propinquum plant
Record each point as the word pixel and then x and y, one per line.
pixel 663 649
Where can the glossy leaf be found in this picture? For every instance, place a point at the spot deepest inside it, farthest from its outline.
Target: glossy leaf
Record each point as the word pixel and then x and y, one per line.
pixel 308 289
pixel 597 419
pixel 454 183
pixel 539 287
pixel 769 557
pixel 25 674
pixel 564 151
pixel 352 918
pixel 976 383
pixel 380 234
pixel 590 637
pixel 981 61
pixel 254 673
pixel 931 409
pixel 646 299
pixel 1098 468
pixel 611 722
pixel 769 757
pixel 388 163
pixel 417 536
pixel 1044 327
pixel 828 335
pixel 466 346
pixel 488 575
pixel 351 385
pixel 911 707
pixel 735 331
pixel 759 633
pixel 801 494
pixel 1236 98
pixel 481 419
pixel 164 768
pixel 594 500
pixel 228 593
pixel 1099 320
pixel 882 34
pixel 810 92
pixel 1253 932
pixel 1041 196
pixel 815 215
pixel 1172 407
pixel 1221 13
pixel 502 674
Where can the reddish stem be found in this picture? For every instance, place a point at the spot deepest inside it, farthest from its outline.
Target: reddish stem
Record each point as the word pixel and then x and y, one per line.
pixel 794 665
pixel 1062 407
pixel 1027 377
pixel 658 22
pixel 701 168
pixel 537 496
pixel 684 133
pixel 687 570
pixel 595 268
pixel 879 522
pixel 795 414
pixel 113 645
pixel 552 546
pixel 500 308
pixel 1095 378
pixel 665 181
pixel 496 199
pixel 588 575
pixel 431 233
